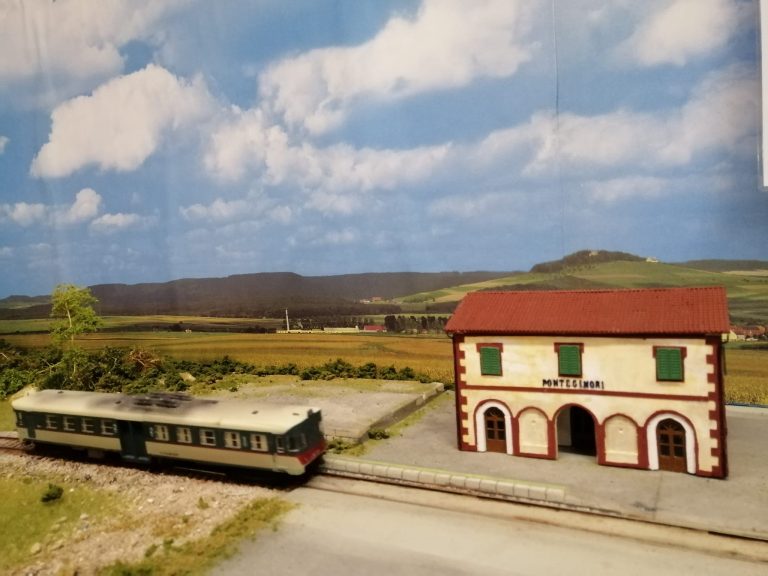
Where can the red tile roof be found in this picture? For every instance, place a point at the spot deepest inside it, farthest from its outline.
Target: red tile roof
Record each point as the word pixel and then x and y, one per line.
pixel 681 311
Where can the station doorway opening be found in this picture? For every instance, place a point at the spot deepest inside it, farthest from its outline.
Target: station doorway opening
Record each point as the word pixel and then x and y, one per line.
pixel 576 431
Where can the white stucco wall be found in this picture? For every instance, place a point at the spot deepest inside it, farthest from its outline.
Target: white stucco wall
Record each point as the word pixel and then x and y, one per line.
pixel 626 368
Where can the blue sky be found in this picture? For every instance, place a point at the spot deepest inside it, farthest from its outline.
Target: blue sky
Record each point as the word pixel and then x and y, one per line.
pixel 145 141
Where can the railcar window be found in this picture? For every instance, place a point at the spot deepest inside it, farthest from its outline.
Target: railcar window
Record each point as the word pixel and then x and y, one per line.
pixel 88 426
pixel 161 432
pixel 232 439
pixel 207 437
pixel 69 424
pixel 108 427
pixel 51 422
pixel 280 442
pixel 20 419
pixel 296 443
pixel 184 435
pixel 259 442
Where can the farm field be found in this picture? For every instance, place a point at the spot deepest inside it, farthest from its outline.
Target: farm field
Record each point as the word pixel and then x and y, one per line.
pixel 746 378
pixel 430 355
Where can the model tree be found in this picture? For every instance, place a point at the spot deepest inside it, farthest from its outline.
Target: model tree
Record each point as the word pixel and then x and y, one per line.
pixel 74 313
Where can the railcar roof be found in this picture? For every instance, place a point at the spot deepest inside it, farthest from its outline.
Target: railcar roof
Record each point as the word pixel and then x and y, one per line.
pixel 240 414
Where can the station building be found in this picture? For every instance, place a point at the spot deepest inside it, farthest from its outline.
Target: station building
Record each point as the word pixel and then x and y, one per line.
pixel 633 377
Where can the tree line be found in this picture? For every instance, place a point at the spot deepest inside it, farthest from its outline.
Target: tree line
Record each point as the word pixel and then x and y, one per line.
pixel 415 324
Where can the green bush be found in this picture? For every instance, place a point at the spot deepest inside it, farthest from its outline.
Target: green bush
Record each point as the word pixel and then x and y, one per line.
pixel 378 433
pixel 338 446
pixel 12 380
pixel 52 493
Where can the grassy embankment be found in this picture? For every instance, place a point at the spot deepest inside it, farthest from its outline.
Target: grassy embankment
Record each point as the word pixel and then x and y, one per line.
pixel 49 526
pixel 199 556
pixel 33 521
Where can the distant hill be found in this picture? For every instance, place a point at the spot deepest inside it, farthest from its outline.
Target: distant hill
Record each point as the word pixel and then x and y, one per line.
pixel 585 258
pixel 747 292
pixel 268 294
pixel 264 294
pixel 15 301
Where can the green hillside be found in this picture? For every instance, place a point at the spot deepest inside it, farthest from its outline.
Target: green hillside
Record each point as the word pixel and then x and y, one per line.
pixel 752 266
pixel 747 294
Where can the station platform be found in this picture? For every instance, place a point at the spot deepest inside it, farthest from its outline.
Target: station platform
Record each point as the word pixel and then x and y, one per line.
pixel 425 454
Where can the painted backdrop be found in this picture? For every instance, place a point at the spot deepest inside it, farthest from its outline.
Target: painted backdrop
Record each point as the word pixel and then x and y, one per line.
pixel 153 140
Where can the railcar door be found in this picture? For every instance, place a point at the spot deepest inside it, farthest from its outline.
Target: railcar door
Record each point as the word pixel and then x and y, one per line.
pixel 133 441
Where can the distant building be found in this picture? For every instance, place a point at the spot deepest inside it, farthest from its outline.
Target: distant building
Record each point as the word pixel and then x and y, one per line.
pixel 633 377
pixel 341 330
pixel 747 332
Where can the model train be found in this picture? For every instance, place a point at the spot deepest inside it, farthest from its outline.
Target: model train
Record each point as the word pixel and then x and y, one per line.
pixel 157 426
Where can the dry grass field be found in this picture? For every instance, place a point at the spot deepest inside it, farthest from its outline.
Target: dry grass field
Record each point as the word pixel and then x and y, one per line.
pixel 746 378
pixel 430 355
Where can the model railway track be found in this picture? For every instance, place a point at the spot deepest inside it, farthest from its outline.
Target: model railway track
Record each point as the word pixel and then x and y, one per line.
pixel 9 442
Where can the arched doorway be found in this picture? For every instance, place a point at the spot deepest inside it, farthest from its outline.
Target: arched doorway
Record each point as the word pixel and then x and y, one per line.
pixel 495 430
pixel 576 431
pixel 670 438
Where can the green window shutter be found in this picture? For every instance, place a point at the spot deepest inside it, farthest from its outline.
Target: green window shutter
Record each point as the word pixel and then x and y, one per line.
pixel 669 364
pixel 490 361
pixel 569 360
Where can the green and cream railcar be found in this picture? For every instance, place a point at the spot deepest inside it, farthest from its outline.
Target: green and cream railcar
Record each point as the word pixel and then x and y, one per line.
pixel 227 432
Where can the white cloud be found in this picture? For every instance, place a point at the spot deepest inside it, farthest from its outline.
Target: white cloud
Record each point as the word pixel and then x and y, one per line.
pixel 23 214
pixel 3 143
pixel 217 211
pixel 448 44
pixel 615 189
pixel 722 115
pixel 6 252
pixel 241 143
pixel 255 205
pixel 336 178
pixel 682 30
pixel 76 39
pixel 338 237
pixel 111 223
pixel 342 168
pixel 484 207
pixel 85 207
pixel 121 124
